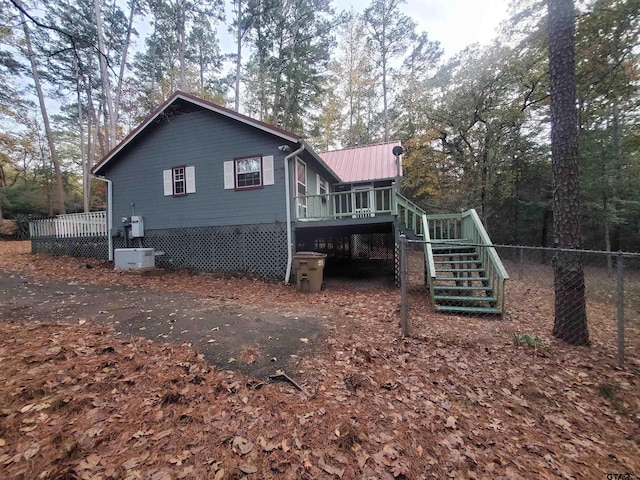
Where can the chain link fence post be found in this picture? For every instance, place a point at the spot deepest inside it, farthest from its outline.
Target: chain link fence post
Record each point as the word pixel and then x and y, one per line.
pixel 403 285
pixel 620 288
pixel 521 264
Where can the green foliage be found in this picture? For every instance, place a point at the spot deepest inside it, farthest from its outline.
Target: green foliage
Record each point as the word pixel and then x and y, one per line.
pixel 609 392
pixel 354 71
pixel 517 339
pixel 607 69
pixel 531 340
pixel 292 47
pixel 475 127
pixel 389 33
pixel 22 224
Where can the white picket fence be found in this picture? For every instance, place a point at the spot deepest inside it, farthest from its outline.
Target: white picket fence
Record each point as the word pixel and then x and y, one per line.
pixel 70 225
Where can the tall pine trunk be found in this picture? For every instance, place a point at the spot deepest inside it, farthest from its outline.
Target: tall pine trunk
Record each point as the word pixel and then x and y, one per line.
pixel 123 65
pixel 238 6
pixel 570 322
pixel 58 197
pixel 110 119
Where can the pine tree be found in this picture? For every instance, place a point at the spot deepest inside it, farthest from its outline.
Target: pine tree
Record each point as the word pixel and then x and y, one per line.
pixel 570 309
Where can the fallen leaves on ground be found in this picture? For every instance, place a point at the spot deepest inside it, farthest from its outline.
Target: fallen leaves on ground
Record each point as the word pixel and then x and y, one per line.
pixel 457 400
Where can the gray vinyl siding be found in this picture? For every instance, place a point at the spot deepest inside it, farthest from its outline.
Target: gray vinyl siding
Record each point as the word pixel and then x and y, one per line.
pixel 204 140
pixel 315 205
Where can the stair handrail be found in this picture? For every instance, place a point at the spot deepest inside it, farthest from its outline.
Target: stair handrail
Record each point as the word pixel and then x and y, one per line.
pixel 485 240
pixel 412 207
pixel 428 258
pixel 481 237
pixel 471 232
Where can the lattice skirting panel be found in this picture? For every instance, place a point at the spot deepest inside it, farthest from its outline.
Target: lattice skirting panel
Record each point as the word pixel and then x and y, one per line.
pixel 372 246
pixel 255 249
pixel 88 247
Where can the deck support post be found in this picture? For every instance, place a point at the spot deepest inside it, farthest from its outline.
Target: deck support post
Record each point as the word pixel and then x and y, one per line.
pixel 404 302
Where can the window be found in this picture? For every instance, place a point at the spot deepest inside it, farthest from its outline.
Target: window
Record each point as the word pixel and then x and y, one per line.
pixel 323 187
pixel 246 173
pixel 179 181
pixel 322 206
pixel 301 188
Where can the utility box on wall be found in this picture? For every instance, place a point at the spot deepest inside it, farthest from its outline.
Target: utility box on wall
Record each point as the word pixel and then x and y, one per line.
pixel 134 258
pixel 137 226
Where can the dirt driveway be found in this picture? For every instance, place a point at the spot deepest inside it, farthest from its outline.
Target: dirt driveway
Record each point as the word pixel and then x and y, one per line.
pixel 245 339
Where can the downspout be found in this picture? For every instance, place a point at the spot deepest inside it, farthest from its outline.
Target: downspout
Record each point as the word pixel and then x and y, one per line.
pixel 288 200
pixel 109 212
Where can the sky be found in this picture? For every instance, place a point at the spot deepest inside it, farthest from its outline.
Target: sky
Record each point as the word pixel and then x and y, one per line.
pixel 455 23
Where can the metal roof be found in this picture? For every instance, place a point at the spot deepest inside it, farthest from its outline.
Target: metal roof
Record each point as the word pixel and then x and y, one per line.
pixel 363 163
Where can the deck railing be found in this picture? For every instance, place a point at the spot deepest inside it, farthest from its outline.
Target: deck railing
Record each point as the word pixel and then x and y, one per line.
pixel 70 225
pixel 358 203
pixel 410 214
pixel 466 227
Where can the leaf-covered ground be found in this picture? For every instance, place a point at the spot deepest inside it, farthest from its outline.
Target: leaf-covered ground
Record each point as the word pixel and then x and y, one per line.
pixel 456 400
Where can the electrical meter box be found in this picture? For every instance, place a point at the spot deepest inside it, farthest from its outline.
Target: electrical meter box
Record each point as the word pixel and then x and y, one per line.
pixel 134 258
pixel 137 226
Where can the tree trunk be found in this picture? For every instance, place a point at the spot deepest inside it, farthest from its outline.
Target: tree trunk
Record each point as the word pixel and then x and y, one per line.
pixel 384 99
pixel 109 114
pixel 484 174
pixel 123 64
pixel 3 184
pixel 182 46
pixel 290 87
pixel 238 53
pixel 58 198
pixel 607 235
pixel 84 158
pixel 570 322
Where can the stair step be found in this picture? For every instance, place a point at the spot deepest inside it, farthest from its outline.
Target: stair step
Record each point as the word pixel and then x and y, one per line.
pixel 456 254
pixel 463 298
pixel 468 270
pixel 453 308
pixel 439 246
pixel 456 262
pixel 462 279
pixel 462 288
pixel 439 241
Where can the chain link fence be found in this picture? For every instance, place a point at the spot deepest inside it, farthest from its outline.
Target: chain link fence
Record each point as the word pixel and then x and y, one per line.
pixel 578 296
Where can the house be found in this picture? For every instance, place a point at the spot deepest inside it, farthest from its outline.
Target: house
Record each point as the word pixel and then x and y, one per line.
pixel 209 186
pixel 215 190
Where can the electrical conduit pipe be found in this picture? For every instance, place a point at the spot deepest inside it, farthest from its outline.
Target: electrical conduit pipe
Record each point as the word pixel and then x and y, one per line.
pixel 109 212
pixel 288 200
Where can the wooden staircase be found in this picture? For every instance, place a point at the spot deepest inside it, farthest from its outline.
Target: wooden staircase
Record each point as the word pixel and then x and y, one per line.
pixel 463 272
pixel 461 284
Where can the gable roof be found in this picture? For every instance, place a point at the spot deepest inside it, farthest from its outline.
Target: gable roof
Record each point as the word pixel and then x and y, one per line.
pixel 181 98
pixel 363 163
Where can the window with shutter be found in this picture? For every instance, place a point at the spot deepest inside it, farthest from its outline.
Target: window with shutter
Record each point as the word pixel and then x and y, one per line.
pixel 179 181
pixel 246 173
pixel 249 172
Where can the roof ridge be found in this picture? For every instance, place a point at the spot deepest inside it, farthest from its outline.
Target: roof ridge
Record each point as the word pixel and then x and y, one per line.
pixel 368 145
pixel 199 102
